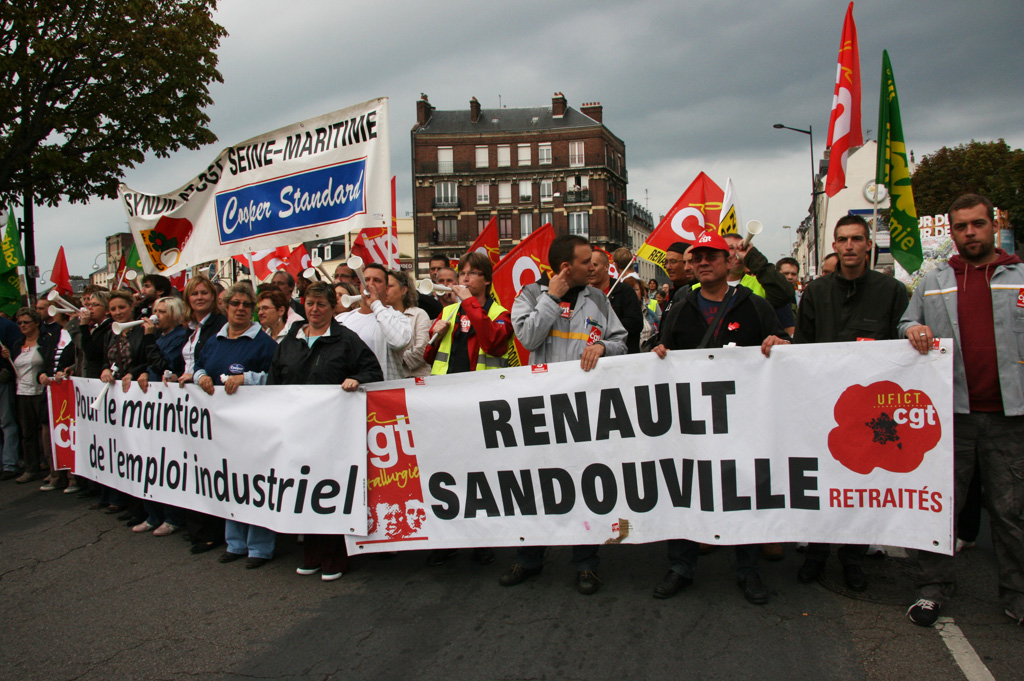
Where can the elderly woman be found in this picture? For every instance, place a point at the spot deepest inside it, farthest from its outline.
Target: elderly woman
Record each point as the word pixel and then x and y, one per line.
pixel 272 310
pixel 204 321
pixel 239 354
pixel 404 298
pixel 162 343
pixel 381 327
pixel 323 352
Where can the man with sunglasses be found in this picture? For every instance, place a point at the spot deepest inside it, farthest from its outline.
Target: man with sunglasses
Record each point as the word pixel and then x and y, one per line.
pixel 712 316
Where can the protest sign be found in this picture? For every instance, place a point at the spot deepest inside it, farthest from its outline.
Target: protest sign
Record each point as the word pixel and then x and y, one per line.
pixel 61 398
pixel 698 445
pixel 289 458
pixel 316 179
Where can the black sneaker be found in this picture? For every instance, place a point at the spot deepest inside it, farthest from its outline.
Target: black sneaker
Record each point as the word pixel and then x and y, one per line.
pixel 753 590
pixel 924 613
pixel 587 582
pixel 252 562
pixel 517 574
pixel 854 577
pixel 672 584
pixel 228 557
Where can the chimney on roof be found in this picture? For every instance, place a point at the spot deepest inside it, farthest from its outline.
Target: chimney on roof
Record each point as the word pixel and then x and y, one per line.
pixel 423 110
pixel 474 110
pixel 558 105
pixel 592 109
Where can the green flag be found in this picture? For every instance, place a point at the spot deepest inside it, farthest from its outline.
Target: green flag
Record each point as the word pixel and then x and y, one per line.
pixel 10 292
pixel 11 256
pixel 894 172
pixel 133 261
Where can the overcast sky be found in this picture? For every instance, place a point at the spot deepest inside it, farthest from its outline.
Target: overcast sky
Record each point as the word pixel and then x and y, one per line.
pixel 688 86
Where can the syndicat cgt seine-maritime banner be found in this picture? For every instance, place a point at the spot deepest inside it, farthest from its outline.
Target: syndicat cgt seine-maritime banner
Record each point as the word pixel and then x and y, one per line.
pixel 319 178
pixel 824 443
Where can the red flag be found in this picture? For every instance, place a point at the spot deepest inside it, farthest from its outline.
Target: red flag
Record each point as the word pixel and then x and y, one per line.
pixel 372 245
pixel 179 280
pixel 487 242
pixel 696 211
pixel 523 265
pixel 122 267
pixel 844 131
pixel 59 275
pixel 265 263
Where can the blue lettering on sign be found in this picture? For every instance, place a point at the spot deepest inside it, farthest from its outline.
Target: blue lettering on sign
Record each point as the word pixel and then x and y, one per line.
pixel 315 197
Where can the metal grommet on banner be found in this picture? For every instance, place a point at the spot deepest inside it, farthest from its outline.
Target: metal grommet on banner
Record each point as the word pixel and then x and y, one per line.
pixel 935 543
pixel 942 351
pixel 711 356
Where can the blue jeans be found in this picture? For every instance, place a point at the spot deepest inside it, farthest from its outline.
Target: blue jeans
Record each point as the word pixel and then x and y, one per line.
pixel 583 557
pixel 256 542
pixel 682 553
pixel 9 425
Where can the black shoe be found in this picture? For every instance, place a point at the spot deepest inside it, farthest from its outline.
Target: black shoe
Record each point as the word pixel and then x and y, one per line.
pixel 253 562
pixel 924 613
pixel 440 556
pixel 203 547
pixel 228 557
pixel 587 582
pixel 516 574
pixel 483 555
pixel 854 577
pixel 8 475
pixel 128 516
pixel 753 590
pixel 810 571
pixel 672 584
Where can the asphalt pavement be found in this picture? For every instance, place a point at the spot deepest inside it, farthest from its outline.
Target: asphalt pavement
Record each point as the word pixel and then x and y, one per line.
pixel 83 598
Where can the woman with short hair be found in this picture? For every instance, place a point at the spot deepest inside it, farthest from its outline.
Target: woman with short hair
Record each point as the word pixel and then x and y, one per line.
pixel 323 352
pixel 272 311
pixel 238 355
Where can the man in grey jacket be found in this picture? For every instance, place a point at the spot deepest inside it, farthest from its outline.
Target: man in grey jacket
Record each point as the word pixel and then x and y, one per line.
pixel 977 299
pixel 565 321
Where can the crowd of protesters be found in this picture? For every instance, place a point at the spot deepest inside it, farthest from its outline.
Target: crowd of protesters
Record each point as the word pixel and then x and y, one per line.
pixel 373 325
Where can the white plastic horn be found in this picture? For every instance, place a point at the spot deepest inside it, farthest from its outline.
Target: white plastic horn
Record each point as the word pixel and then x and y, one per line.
pixel 54 310
pixel 350 301
pixel 754 228
pixel 318 263
pixel 103 392
pixel 427 286
pixel 356 263
pixel 311 274
pixel 54 297
pixel 119 328
pixel 131 275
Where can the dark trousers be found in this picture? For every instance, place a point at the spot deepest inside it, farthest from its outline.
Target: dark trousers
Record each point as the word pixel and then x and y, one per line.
pixel 849 554
pixel 326 550
pixel 683 553
pixel 583 557
pixel 31 415
pixel 992 444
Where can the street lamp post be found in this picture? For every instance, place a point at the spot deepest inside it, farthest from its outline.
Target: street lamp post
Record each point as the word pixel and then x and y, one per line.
pixel 814 190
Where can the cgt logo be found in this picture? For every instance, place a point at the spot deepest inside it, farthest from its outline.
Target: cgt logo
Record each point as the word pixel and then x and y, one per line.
pixel 883 426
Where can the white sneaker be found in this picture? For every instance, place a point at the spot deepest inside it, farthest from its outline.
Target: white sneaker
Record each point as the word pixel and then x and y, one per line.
pixel 330 576
pixel 303 570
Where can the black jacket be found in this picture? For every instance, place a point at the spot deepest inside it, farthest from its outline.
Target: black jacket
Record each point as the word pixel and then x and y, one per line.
pixel 94 347
pixel 628 309
pixel 331 360
pixel 834 308
pixel 748 321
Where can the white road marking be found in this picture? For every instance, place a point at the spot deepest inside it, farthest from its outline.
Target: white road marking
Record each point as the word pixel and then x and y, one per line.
pixel 963 652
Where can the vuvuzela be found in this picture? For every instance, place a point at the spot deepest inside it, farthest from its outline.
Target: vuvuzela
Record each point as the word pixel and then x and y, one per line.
pixel 118 328
pixel 754 228
pixel 427 286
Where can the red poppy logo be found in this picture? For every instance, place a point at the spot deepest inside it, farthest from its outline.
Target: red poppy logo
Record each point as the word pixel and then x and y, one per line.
pixel 733 326
pixel 165 241
pixel 883 426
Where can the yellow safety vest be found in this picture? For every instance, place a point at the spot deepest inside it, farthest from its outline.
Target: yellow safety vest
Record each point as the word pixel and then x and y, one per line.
pixel 483 360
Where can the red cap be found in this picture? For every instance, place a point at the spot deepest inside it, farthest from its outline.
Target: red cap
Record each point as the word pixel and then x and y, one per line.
pixel 711 239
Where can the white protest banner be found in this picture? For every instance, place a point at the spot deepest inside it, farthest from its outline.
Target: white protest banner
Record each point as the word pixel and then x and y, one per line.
pixel 316 179
pixel 289 458
pixel 833 442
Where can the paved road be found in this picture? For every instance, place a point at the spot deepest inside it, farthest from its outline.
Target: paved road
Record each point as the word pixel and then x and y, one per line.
pixel 84 598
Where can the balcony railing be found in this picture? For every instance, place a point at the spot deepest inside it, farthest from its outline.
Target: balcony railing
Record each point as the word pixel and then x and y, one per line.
pixel 578 196
pixel 445 204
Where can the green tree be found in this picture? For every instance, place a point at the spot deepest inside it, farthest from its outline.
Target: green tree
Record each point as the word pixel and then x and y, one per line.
pixel 989 168
pixel 88 87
